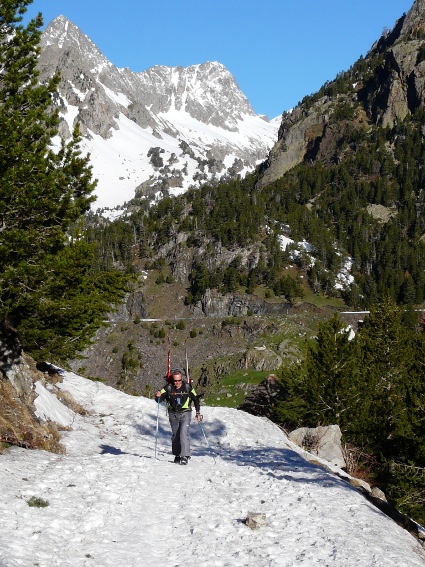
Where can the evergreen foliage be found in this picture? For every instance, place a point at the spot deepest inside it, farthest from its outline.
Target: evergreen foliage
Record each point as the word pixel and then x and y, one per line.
pixel 371 386
pixel 329 206
pixel 330 203
pixel 47 289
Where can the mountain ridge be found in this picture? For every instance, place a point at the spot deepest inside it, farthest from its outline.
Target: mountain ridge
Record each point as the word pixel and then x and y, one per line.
pixel 194 121
pixel 386 94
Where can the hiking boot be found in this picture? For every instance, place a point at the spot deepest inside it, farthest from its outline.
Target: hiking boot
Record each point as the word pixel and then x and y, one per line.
pixel 183 460
pixel 177 460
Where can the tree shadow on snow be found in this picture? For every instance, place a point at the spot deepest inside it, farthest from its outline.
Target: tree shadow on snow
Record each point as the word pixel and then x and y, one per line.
pixel 149 429
pixel 207 440
pixel 109 450
pixel 284 464
pixel 279 463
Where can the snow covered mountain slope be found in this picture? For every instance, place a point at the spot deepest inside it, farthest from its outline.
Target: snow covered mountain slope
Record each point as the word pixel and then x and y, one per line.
pixel 158 131
pixel 111 503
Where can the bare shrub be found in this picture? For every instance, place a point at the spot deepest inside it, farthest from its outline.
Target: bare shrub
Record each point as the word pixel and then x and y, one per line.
pixel 360 464
pixel 311 442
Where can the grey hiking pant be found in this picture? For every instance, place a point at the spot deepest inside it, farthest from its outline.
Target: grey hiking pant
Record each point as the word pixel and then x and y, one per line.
pixel 180 422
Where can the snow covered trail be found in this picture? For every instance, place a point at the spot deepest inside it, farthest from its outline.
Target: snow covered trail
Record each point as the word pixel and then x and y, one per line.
pixel 111 503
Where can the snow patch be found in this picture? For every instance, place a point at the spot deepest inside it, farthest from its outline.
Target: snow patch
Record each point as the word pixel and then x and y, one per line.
pixel 119 98
pixel 111 503
pixel 49 408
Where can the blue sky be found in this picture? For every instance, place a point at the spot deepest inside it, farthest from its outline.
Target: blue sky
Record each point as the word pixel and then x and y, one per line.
pixel 277 50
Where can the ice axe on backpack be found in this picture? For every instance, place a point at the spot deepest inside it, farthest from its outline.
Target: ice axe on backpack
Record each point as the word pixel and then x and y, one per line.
pixel 189 381
pixel 169 360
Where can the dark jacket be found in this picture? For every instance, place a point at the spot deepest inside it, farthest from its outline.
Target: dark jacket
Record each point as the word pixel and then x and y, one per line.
pixel 180 399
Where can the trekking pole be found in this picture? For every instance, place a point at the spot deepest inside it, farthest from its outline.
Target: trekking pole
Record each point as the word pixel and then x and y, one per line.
pixel 207 442
pixel 157 427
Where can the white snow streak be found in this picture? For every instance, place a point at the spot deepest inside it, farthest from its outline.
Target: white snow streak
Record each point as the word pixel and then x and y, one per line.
pixel 70 115
pixel 119 98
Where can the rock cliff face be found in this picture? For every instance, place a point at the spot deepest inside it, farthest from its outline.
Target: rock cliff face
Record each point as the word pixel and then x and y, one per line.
pixel 395 89
pixel 214 304
pixel 19 424
pixel 159 130
pixel 297 132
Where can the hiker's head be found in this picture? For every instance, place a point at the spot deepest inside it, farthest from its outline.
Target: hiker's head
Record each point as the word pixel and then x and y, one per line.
pixel 176 377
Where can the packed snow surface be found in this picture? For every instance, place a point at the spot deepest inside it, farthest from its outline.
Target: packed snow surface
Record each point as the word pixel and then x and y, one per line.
pixel 112 503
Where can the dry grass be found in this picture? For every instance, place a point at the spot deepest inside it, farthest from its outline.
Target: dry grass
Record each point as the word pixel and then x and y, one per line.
pixel 55 378
pixel 68 401
pixel 19 426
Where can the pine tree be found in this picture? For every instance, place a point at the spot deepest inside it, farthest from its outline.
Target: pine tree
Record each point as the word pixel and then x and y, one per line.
pixel 387 353
pixel 326 387
pixel 393 360
pixel 43 193
pixel 332 388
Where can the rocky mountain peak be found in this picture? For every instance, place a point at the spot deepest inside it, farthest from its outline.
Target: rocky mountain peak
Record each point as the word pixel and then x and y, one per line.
pixel 156 132
pixel 65 36
pixel 207 92
pixel 415 18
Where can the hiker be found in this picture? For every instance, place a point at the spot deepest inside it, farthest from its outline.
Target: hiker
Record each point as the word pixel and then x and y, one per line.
pixel 179 396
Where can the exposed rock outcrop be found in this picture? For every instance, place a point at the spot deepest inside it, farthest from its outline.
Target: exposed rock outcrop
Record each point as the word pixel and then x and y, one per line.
pixel 262 399
pixel 385 97
pixel 18 422
pixel 323 441
pixel 261 359
pixel 15 367
pixel 214 304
